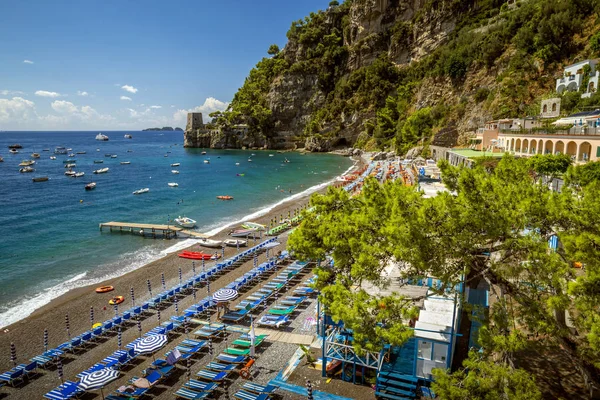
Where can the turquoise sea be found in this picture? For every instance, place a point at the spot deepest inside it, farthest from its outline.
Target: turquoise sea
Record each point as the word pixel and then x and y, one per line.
pixel 51 242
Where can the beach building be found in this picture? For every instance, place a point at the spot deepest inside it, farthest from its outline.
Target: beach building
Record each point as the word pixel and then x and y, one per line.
pixel 580 77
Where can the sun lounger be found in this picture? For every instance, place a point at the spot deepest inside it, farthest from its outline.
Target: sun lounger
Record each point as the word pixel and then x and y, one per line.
pixel 246 343
pixel 189 394
pixel 131 392
pixel 304 291
pixel 193 343
pixel 13 376
pixel 235 316
pixel 71 345
pixel 256 388
pixel 228 358
pixel 285 311
pixel 273 321
pixel 221 367
pixel 244 395
pixel 293 301
pixel 48 357
pixel 211 376
pixel 153 378
pixel 65 391
pixel 190 350
pixel 210 332
pixel 237 352
pixel 200 386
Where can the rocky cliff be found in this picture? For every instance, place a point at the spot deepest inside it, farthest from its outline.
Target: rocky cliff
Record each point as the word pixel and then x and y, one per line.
pixel 384 74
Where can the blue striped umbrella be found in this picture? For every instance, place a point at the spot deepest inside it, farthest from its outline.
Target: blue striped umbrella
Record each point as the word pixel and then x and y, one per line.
pixel 13 353
pixel 149 288
pixel 194 268
pixel 92 315
pixel 176 305
pixel 150 344
pixel 162 280
pixel 208 286
pixel 188 364
pixel 180 275
pixel 225 295
pixel 45 340
pixel 67 323
pixel 98 379
pixel 59 369
pixel 237 245
pixel 119 338
pixel 132 297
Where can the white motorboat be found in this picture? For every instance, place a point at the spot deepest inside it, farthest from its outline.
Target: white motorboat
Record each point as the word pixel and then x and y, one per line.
pixel 210 243
pixel 235 242
pixel 249 160
pixel 72 155
pixel 173 184
pixel 78 174
pixel 52 157
pixel 70 165
pixel 13 151
pixel 237 163
pixel 271 155
pixel 203 153
pixel 175 164
pixel 140 191
pixel 206 161
pixel 113 156
pixel 128 136
pixel 90 186
pixel 70 173
pixel 101 137
pixel 185 222
pixel 26 163
pixel 125 162
pixel 174 171
pixel 101 171
pixel 60 150
pixel 26 169
pixel 35 155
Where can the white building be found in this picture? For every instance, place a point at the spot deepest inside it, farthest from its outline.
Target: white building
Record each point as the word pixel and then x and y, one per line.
pixel 573 78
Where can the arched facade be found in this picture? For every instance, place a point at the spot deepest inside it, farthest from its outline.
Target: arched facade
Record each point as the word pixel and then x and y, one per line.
pixel 559 147
pixel 585 151
pixel 571 149
pixel 533 147
pixel 525 146
pixel 581 149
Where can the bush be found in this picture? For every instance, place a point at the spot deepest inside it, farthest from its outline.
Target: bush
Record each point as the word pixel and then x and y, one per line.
pixel 595 43
pixel 481 94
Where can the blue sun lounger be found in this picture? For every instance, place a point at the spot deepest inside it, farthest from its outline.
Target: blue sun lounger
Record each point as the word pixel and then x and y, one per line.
pixel 11 377
pixel 256 388
pixel 131 392
pixel 228 358
pixel 212 376
pixel 214 366
pixel 273 320
pixel 65 391
pixel 235 316
pixel 189 394
pixel 210 332
pixel 244 395
pixel 200 386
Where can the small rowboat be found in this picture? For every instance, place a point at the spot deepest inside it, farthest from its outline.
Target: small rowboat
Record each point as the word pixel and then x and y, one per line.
pixel 210 243
pixel 235 242
pixel 193 255
pixel 41 179
pixel 104 289
pixel 116 300
pixel 225 197
pixel 253 225
pixel 242 232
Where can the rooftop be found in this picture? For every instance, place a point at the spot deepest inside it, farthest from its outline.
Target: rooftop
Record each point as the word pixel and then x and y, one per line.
pixel 468 153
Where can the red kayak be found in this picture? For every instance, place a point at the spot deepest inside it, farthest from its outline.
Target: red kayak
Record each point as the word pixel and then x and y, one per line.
pixel 194 255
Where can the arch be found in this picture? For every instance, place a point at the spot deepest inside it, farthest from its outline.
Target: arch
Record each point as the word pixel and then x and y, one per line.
pixel 545 109
pixel 548 147
pixel 533 146
pixel 585 151
pixel 525 146
pixel 553 107
pixel 571 149
pixel 592 87
pixel 540 147
pixel 559 147
pixel 560 89
pixel 572 86
pixel 518 146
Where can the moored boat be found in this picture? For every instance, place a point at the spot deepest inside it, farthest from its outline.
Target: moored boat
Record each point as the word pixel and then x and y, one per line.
pixel 101 137
pixel 13 151
pixel 90 186
pixel 60 150
pixel 98 161
pixel 1 159
pixel 101 170
pixel 173 184
pixel 185 222
pixel 68 160
pixel 72 155
pixel 40 179
pixel 113 156
pixel 26 169
pixel 80 152
pixel 235 242
pixel 203 153
pixel 225 197
pixel 242 232
pixel 174 171
pixel 128 136
pixel 125 162
pixel 52 157
pixel 15 146
pixel 210 243
pixel 175 164
pixel 207 161
pixel 253 225
pixel 140 191
pixel 26 163
pixel 35 155
pixel 70 173
pixel 70 165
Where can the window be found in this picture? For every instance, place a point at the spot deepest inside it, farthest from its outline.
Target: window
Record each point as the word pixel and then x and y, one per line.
pixel 553 107
pixel 425 349
pixel 545 110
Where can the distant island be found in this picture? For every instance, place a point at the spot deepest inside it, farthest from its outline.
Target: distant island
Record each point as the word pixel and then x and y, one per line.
pixel 164 128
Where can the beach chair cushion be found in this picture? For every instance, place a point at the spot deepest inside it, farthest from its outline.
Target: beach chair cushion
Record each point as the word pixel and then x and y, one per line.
pixel 228 358
pixel 12 376
pixel 237 352
pixel 286 311
pixel 185 393
pixel 211 375
pixel 247 343
pixel 256 388
pixel 221 367
pixel 244 395
pixel 197 385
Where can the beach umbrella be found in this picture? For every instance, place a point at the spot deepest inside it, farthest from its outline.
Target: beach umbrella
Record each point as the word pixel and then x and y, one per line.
pixel 149 288
pixel 139 324
pixel 13 353
pixel 59 369
pixel 309 394
pixel 267 253
pixel 67 323
pixel 45 340
pixel 194 268
pixel 188 365
pixel 225 295
pixel 180 275
pixel 176 305
pixel 132 297
pixel 92 315
pixel 162 280
pixel 119 338
pixel 260 234
pixel 150 344
pixel 98 379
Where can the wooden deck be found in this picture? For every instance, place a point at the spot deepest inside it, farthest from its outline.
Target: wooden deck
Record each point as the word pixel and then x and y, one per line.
pixel 153 230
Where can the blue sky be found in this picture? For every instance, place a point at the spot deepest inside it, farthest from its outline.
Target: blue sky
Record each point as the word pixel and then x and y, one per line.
pixel 125 65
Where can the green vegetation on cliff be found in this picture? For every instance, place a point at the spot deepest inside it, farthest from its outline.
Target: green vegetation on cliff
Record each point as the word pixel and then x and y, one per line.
pixel 522 46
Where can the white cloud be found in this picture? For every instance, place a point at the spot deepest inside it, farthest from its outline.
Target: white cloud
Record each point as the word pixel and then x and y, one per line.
pixel 45 93
pixel 63 107
pixel 129 89
pixel 172 106
pixel 27 62
pixel 210 105
pixel 80 93
pixel 156 107
pixel 10 92
pixel 16 109
pixel 126 98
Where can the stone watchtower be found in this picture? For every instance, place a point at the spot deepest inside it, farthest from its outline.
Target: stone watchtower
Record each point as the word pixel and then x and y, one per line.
pixel 194 122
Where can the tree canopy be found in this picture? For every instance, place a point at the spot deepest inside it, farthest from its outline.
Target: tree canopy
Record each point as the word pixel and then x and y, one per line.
pixel 491 225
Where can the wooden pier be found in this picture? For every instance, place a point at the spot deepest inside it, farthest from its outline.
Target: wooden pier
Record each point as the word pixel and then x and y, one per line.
pixel 152 230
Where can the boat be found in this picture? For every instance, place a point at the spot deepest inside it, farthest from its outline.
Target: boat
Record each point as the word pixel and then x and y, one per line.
pixel 271 155
pixel 225 197
pixel 77 175
pixel 45 149
pixel 203 153
pixel 26 163
pixel 210 243
pixel 70 173
pixel 185 222
pixel 70 165
pixel 107 155
pixel 98 161
pixel 52 157
pixel 194 255
pixel 72 155
pixel 140 191
pixel 69 160
pixel 69 149
pixel 242 232
pixel 249 160
pixel 175 164
pixel 15 146
pixel 206 161
pixel 286 161
pixel 125 162
pixel 128 136
pixel 117 299
pixel 90 186
pixel 101 170
pixel 254 225
pixel 173 184
pixel 129 151
pixel 60 150
pixel 174 171
pixel 40 179
pixel 237 163
pixel 97 149
pixel 113 156
pixel 235 242
pixel 80 152
pixel 13 151
pixel 35 155
pixel 101 137
pixel 26 169
pixel 1 159
pixel 104 289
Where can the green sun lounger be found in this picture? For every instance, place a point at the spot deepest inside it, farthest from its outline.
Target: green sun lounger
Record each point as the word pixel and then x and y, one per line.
pixel 246 343
pixel 286 311
pixel 237 352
